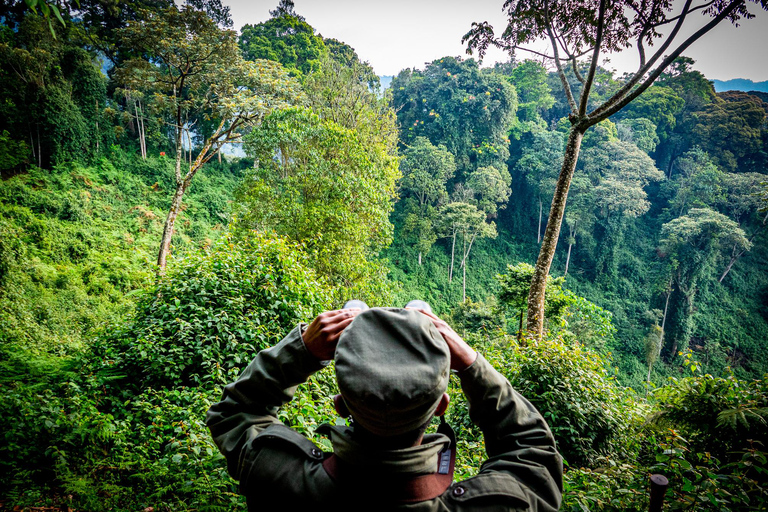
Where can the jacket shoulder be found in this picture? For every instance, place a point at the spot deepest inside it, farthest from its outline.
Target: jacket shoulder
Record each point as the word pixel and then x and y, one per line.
pixel 282 462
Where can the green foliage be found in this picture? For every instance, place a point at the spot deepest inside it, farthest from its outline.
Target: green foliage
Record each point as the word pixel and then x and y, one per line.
pixel 591 416
pixel 452 102
pixel 285 38
pixel 697 184
pixel 111 440
pixel 530 81
pixel 13 153
pixel 426 169
pixel 729 128
pixel 80 243
pixel 660 105
pixel 320 185
pixel 641 132
pixel 119 400
pixel 540 163
pixel 516 283
pixel 692 243
pixel 585 322
pixel 211 313
pixel 697 481
pixel 715 414
pixel 53 95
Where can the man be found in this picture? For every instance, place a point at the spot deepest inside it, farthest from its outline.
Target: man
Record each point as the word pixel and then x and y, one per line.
pixel 392 367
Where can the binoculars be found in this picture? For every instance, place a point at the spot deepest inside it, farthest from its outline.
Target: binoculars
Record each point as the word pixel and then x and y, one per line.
pixel 414 304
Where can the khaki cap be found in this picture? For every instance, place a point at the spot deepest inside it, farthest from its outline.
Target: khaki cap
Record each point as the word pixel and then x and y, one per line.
pixel 392 366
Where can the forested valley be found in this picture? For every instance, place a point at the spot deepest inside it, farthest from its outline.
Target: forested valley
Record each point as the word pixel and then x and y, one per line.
pixel 176 196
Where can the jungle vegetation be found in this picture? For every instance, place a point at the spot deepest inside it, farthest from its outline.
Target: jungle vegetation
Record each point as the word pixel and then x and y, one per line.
pixel 143 264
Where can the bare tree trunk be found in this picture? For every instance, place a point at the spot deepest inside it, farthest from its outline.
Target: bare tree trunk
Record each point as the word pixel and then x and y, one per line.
pixel 549 243
pixel 520 327
pixel 140 129
pixel 39 149
pixel 464 267
pixel 419 258
pixel 538 231
pixel 734 256
pixel 32 145
pixel 664 318
pixel 181 186
pixel 571 237
pixel 453 246
pixel 170 221
pixel 464 286
pixel 464 264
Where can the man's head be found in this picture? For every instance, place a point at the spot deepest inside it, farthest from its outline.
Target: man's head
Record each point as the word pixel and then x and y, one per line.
pixel 392 366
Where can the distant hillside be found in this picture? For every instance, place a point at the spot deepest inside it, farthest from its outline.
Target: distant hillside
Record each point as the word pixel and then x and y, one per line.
pixel 740 84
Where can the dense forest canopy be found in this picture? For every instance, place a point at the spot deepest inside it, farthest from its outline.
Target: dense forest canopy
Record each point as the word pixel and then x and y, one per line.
pixel 114 124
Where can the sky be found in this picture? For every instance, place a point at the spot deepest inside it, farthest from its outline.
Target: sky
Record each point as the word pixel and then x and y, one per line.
pixel 396 34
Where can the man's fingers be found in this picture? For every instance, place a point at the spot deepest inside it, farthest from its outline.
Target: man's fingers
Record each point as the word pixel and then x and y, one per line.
pixel 338 329
pixel 341 314
pixel 435 319
pixel 339 321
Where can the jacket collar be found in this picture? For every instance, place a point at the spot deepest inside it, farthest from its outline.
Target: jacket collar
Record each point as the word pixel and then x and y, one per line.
pixel 414 460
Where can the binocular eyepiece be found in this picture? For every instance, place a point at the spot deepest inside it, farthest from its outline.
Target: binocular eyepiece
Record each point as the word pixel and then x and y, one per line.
pixel 414 304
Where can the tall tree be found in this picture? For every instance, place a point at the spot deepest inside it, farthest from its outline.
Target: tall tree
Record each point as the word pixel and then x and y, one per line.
pixel 742 203
pixel 461 218
pixel 425 169
pixel 455 103
pixel 539 163
pixel 473 225
pixel 195 70
pixel 322 185
pixel 491 187
pixel 696 92
pixel 53 93
pixel 660 105
pixel 285 38
pixel 533 93
pixel 619 172
pixel 593 28
pixel 697 183
pixel 692 244
pixel 730 128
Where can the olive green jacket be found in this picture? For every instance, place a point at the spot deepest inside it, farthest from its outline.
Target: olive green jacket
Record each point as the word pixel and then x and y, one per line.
pixel 279 469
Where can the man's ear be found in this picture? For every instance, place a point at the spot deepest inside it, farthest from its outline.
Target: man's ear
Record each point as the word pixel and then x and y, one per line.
pixel 340 406
pixel 442 405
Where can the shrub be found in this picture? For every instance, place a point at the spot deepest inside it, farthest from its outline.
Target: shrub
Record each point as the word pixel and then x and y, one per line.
pixel 716 414
pixel 212 312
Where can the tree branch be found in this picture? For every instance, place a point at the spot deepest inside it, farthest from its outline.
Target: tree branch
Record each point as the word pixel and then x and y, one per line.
pixel 584 100
pixel 575 66
pixel 621 93
pixel 558 64
pixel 692 9
pixel 610 110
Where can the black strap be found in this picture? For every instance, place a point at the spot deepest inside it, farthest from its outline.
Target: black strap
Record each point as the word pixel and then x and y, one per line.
pixel 409 489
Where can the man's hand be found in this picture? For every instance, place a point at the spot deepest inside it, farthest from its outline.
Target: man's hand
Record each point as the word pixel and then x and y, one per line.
pixel 462 355
pixel 323 333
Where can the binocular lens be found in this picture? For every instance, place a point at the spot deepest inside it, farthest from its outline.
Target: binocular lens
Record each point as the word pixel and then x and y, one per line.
pixel 414 304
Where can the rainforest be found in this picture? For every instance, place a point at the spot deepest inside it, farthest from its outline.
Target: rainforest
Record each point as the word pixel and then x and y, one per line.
pixel 177 195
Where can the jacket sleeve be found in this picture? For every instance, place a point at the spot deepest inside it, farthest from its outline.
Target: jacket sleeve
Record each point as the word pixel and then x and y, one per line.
pixel 249 405
pixel 518 441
